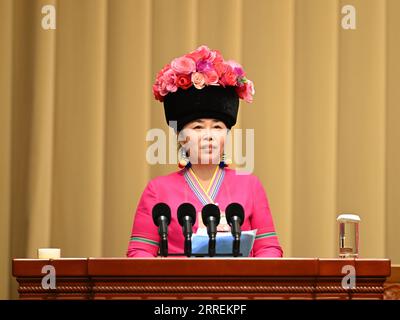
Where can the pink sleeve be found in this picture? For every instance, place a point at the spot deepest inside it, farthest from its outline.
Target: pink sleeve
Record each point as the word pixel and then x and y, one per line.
pixel 266 243
pixel 144 236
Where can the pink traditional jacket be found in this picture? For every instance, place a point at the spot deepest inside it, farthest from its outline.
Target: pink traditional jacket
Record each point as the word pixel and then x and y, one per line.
pixel 183 186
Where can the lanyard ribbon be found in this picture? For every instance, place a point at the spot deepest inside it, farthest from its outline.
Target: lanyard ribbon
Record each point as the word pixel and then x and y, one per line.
pixel 209 195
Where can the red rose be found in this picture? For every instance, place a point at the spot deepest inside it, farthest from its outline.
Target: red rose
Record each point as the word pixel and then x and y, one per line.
pixel 220 68
pixel 183 81
pixel 229 78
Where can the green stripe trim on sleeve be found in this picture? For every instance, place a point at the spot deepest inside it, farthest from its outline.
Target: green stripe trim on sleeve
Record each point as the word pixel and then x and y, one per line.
pixel 265 235
pixel 144 240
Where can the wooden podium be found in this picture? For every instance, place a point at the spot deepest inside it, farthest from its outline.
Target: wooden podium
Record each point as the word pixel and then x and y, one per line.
pixel 201 278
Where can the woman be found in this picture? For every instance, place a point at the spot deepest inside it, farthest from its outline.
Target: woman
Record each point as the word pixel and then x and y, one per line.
pixel 201 92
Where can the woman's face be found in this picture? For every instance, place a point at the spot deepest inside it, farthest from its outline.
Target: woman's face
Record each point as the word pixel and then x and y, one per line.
pixel 204 140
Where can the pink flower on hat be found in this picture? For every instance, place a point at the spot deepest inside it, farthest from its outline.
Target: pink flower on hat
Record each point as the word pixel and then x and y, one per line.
pixel 211 78
pixel 198 80
pixel 229 77
pixel 156 92
pixel 183 65
pixel 237 68
pixel 169 80
pixel 246 91
pixel 201 53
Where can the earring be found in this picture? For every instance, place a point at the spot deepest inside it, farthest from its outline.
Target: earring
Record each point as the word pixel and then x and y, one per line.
pixel 183 159
pixel 225 161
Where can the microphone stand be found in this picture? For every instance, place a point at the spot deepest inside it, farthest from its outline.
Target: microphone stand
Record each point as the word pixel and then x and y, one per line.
pixel 163 232
pixel 212 232
pixel 236 246
pixel 188 236
pixel 164 247
pixel 236 236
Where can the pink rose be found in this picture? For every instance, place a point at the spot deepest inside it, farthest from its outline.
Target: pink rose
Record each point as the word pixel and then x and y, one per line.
pixel 229 78
pixel 156 92
pixel 211 77
pixel 162 71
pixel 236 67
pixel 201 53
pixel 169 80
pixel 183 81
pixel 220 68
pixel 217 57
pixel 163 89
pixel 183 65
pixel 198 80
pixel 246 91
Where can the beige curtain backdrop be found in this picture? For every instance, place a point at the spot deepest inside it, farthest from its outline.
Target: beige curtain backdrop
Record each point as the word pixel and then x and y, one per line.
pixel 76 104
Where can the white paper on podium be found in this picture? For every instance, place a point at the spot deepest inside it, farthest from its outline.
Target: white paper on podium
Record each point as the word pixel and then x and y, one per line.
pixel 224 242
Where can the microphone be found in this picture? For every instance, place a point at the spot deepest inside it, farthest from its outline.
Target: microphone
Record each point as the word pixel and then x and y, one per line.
pixel 211 216
pixel 162 218
pixel 187 218
pixel 235 217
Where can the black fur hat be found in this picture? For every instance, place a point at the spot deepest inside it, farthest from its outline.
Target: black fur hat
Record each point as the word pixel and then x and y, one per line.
pixel 215 102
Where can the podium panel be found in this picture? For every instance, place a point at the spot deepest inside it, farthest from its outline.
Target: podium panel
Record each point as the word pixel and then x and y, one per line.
pixel 201 278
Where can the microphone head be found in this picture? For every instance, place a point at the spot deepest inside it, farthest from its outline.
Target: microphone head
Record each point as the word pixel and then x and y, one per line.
pixel 210 210
pixel 161 209
pixel 186 209
pixel 234 209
